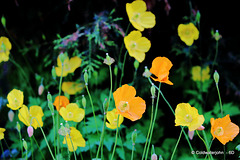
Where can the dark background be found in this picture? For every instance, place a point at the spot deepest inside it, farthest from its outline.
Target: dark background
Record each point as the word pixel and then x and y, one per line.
pixel 30 19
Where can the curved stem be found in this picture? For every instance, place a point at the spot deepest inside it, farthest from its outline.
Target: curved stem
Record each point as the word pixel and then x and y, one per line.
pixel 175 148
pixel 170 107
pixel 122 74
pixel 90 98
pixel 2 150
pixel 203 142
pixel 149 129
pixel 153 123
pixel 132 152
pixel 38 147
pixel 44 137
pixel 58 117
pixel 114 148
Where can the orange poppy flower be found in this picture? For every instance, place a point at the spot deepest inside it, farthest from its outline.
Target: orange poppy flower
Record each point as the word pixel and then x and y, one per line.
pixel 63 102
pixel 127 104
pixel 223 129
pixel 160 68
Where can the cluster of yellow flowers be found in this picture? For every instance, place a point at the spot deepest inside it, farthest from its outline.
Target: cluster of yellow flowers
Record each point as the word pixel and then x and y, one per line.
pixel 137 45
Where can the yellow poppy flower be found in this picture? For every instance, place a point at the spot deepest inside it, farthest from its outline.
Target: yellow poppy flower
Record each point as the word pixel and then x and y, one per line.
pixel 138 16
pixel 200 74
pixel 137 45
pixel 72 88
pixel 15 99
pixel 27 116
pixel 223 129
pixel 185 115
pixel 1 133
pixel 127 104
pixel 188 33
pixel 76 140
pixel 112 119
pixel 5 47
pixel 72 112
pixel 69 66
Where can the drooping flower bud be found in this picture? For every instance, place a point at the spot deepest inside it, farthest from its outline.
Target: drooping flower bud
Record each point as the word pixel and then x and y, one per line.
pixel 190 134
pixel 154 156
pixel 153 91
pixel 84 102
pixel 54 74
pixel 216 77
pixel 25 145
pixel 85 76
pixel 134 136
pixel 10 115
pixel 18 127
pixel 62 57
pixel 3 20
pixel 40 89
pixel 136 64
pixel 30 131
pixel 115 71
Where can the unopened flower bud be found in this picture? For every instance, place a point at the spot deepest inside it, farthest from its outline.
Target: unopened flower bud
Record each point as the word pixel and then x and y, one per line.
pixel 85 76
pixel 216 77
pixel 62 57
pixel 3 20
pixel 108 60
pixel 198 16
pixel 115 71
pixel 49 97
pixel 136 64
pixel 10 115
pixel 190 134
pixel 18 127
pixel 40 89
pixel 200 128
pixel 30 131
pixel 154 156
pixel 25 145
pixel 134 137
pixel 160 157
pixel 153 91
pixel 54 74
pixel 84 102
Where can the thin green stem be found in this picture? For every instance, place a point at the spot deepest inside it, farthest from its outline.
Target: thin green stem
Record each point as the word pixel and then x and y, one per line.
pixel 20 140
pixel 149 129
pixel 132 152
pixel 220 100
pixel 105 112
pixel 114 148
pixel 44 137
pixel 8 147
pixel 153 123
pixel 122 145
pixel 175 148
pixel 203 142
pixel 122 74
pixel 90 98
pixel 58 117
pixel 38 147
pixel 2 150
pixel 26 154
pixel 32 148
pixel 75 157
pixel 85 128
pixel 23 73
pixel 170 107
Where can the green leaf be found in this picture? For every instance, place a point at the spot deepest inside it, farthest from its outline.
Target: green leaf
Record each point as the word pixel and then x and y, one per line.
pixel 91 124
